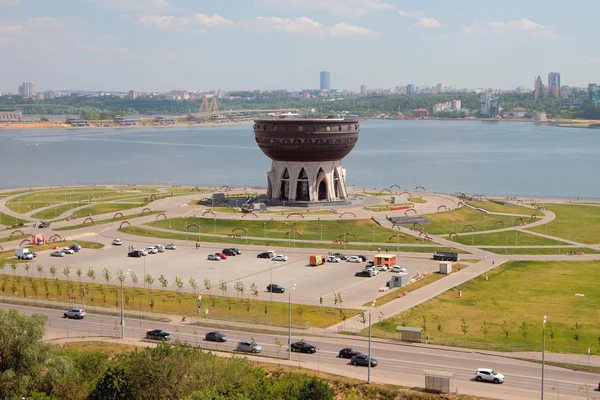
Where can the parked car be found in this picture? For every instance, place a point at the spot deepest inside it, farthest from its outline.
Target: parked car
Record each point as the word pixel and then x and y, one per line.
pixel 151 250
pixel 229 252
pixel 248 346
pixel 77 313
pixel 363 359
pixel 370 264
pixel 280 257
pixel 223 256
pixel 57 253
pixel 275 288
pixel 160 248
pixel 362 258
pixel 354 259
pixel 67 250
pixel 135 253
pixel 340 256
pixel 380 267
pixel 117 242
pixel 304 347
pixel 75 247
pixel 171 246
pixel 158 334
pixel 43 224
pixel 397 268
pixel 488 375
pixel 348 352
pixel 333 259
pixel 364 273
pixel 214 257
pixel 143 252
pixel 235 250
pixel 33 254
pixel 266 254
pixel 215 337
pixel 372 270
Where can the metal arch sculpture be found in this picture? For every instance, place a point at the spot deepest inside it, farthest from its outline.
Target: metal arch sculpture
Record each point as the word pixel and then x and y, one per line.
pixel 333 211
pixel 395 185
pixel 25 241
pixel 55 238
pixel 453 234
pixel 226 187
pixel 398 235
pixel 144 210
pixel 401 193
pixel 460 204
pixel 519 201
pixel 499 222
pixel 410 209
pixel 250 213
pixel 423 233
pixel 347 213
pixel 442 206
pixel 420 187
pixel 90 219
pixel 208 212
pixel 195 188
pixel 221 203
pixel 533 216
pixel 295 214
pixel 152 197
pixel 460 195
pixel 540 208
pixel 414 227
pixel 123 223
pixel 1 248
pixel 17 231
pixel 469 225
pixel 519 219
pixel 161 215
pixel 347 234
pixel 196 225
pixel 119 213
pixel 294 232
pixel 239 228
pixel 385 190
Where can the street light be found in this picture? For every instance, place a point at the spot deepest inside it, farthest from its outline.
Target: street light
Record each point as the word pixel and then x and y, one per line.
pixel 485 222
pixel 122 313
pixel 214 225
pixel 290 323
pixel 271 293
pixel 369 360
pixel 265 225
pixel 506 249
pixel 543 345
pixel 321 232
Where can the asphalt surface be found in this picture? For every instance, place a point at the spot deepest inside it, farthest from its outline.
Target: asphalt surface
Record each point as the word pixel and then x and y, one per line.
pixel 399 363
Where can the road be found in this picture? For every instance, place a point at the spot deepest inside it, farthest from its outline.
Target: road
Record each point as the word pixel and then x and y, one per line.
pixel 400 364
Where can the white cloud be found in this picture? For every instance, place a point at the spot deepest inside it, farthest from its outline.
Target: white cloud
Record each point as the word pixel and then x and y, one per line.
pixel 336 7
pixel 141 6
pixel 411 14
pixel 522 26
pixel 180 23
pixel 46 21
pixel 101 49
pixel 10 2
pixel 11 29
pixel 425 22
pixel 308 26
pixel 211 20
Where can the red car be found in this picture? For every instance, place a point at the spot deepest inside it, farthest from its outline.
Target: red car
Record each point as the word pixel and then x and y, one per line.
pixel 223 256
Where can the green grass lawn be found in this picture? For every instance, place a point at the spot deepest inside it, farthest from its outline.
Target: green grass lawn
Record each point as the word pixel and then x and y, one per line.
pixel 541 251
pixel 417 200
pixel 41 198
pixel 104 208
pixel 411 287
pixel 582 221
pixel 500 208
pixel 9 220
pixel 55 212
pixel 515 238
pixel 508 309
pixel 107 221
pixel 442 222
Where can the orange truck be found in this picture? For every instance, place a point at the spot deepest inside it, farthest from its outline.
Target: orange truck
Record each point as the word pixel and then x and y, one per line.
pixel 316 260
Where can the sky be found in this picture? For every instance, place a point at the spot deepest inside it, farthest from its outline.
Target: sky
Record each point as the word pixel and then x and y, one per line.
pixel 160 45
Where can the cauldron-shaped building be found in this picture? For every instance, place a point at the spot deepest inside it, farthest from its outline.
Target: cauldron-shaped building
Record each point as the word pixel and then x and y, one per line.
pixel 306 156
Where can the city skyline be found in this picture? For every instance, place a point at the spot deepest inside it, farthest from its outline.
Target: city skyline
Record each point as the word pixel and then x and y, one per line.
pixel 159 45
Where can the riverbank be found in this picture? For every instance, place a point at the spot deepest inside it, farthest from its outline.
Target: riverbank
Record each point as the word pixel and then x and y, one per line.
pixel 111 124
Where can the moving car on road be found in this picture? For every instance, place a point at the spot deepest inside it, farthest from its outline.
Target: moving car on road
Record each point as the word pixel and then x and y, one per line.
pixel 348 352
pixel 354 259
pixel 76 313
pixel 215 337
pixel 304 347
pixel 397 268
pixel 214 257
pixel 363 359
pixel 57 253
pixel 117 242
pixel 280 257
pixel 248 347
pixel 158 334
pixel 488 375
pixel 171 246
pixel 275 288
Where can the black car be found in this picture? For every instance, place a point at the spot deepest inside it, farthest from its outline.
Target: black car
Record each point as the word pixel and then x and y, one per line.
pixel 215 337
pixel 362 258
pixel 135 253
pixel 266 254
pixel 304 347
pixel 43 224
pixel 370 264
pixel 348 352
pixel 236 251
pixel 158 334
pixel 363 359
pixel 340 256
pixel 363 273
pixel 75 247
pixel 229 252
pixel 275 288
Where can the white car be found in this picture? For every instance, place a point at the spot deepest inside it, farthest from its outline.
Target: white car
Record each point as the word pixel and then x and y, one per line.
pixel 171 246
pixel 151 250
pixel 117 242
pixel 381 268
pixel 372 270
pixel 488 375
pixel 67 250
pixel 333 259
pixel 354 259
pixel 143 252
pixel 397 268
pixel 214 257
pixel 280 257
pixel 160 248
pixel 57 253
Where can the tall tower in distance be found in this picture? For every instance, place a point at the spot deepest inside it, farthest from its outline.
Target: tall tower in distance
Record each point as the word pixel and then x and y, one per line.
pixel 325 80
pixel 27 89
pixel 554 84
pixel 538 91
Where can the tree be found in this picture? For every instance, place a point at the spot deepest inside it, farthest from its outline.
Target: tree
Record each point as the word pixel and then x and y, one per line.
pixel 523 329
pixel 207 284
pixel 91 274
pixel 79 273
pixel 193 284
pixel 27 267
pixel 134 278
pixel 505 329
pixel 163 281
pixel 362 318
pixel 424 323
pixel 40 270
pixel 13 265
pixel 485 328
pixel 149 280
pixel 53 271
pixel 463 326
pixel 67 272
pixel 254 290
pixel 178 283
pixel 550 329
pixel 120 276
pixel 106 274
pixel 240 288
pixel 223 287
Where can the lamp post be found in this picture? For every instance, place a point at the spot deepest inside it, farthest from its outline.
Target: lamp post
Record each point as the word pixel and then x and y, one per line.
pixel 543 347
pixel 290 322
pixel 265 226
pixel 506 246
pixel 569 234
pixel 214 225
pixel 485 222
pixel 321 232
pixel 369 360
pixel 122 312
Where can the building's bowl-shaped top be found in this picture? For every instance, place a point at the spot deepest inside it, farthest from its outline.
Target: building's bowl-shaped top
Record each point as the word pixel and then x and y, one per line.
pixel 306 139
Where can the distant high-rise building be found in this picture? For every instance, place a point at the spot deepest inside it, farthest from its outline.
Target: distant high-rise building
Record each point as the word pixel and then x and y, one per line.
pixel 538 92
pixel 49 95
pixel 132 95
pixel 554 84
pixel 364 89
pixel 27 89
pixel 440 88
pixel 489 105
pixel 410 88
pixel 325 80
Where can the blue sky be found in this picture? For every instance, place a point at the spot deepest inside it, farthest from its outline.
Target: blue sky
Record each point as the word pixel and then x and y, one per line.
pixel 158 45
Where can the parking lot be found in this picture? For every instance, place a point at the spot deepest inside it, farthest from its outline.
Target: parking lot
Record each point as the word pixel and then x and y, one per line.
pixel 187 261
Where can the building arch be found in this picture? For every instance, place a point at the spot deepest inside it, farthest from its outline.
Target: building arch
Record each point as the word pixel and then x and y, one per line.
pixel 336 183
pixel 322 188
pixel 285 185
pixel 302 191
